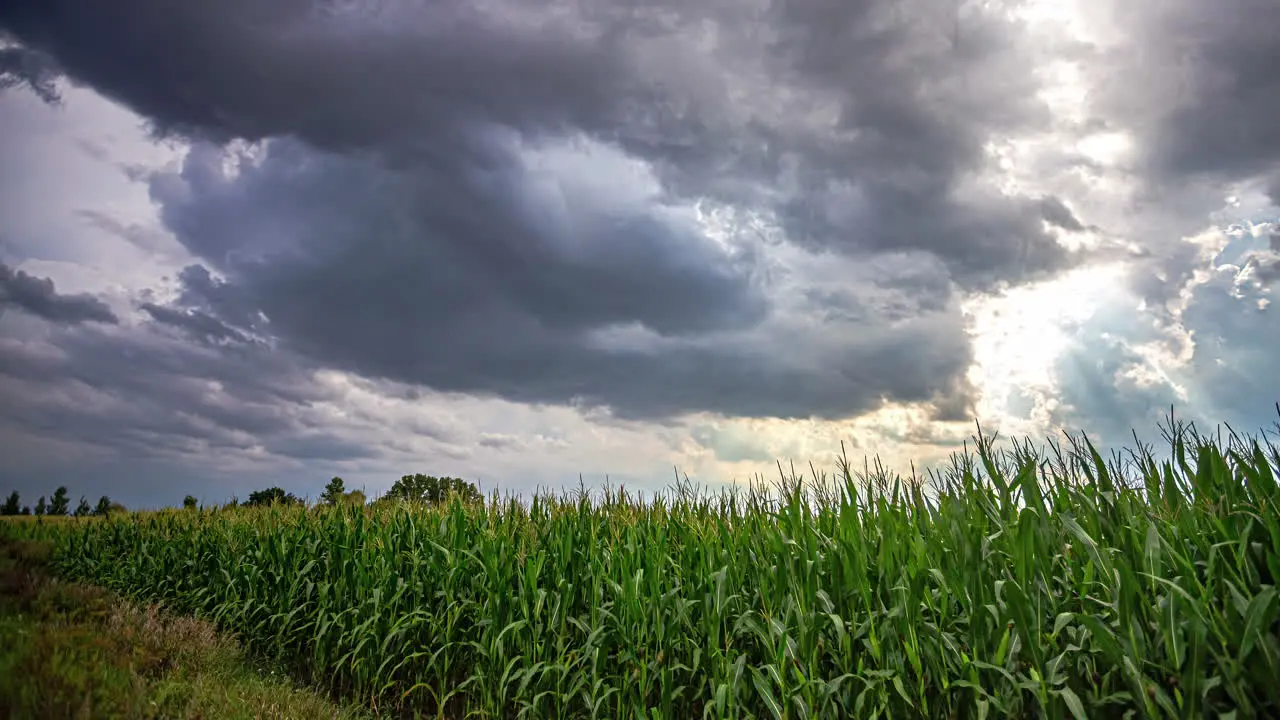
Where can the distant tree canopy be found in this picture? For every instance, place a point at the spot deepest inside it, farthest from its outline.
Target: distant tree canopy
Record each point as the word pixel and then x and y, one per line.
pixel 271 496
pixel 13 505
pixel 61 504
pixel 106 506
pixel 431 489
pixel 336 492
pixel 333 492
pixel 413 488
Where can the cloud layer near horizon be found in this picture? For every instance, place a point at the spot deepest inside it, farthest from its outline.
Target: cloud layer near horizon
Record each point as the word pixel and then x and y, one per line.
pixel 643 212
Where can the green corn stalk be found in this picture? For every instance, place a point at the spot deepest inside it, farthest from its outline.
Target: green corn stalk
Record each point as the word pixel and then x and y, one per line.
pixel 1018 582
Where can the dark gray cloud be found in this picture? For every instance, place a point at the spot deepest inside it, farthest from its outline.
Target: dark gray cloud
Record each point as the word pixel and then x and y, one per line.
pixel 501 200
pixel 1056 213
pixel 150 395
pixel 449 207
pixel 410 303
pixel 444 200
pixel 22 67
pixel 461 197
pixel 574 252
pixel 321 446
pixel 197 324
pixel 147 417
pixel 1197 81
pixel 38 296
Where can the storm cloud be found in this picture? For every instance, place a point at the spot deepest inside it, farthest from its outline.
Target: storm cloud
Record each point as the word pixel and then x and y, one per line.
pixel 641 210
pixel 478 200
pixel 431 297
pixel 39 296
pixel 1197 81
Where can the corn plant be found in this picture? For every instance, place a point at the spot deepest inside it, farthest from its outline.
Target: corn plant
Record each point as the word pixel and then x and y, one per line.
pixel 1020 582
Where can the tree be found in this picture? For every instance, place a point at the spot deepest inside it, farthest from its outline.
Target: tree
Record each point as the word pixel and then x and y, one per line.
pixel 26 510
pixel 60 502
pixel 12 505
pixel 272 496
pixel 103 507
pixel 333 492
pixel 41 506
pixel 431 490
pixel 190 502
pixel 83 508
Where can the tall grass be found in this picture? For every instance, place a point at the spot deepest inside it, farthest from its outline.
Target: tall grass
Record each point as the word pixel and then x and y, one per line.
pixel 1016 583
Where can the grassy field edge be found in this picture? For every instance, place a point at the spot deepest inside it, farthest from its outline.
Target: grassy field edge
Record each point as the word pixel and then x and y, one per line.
pixel 73 650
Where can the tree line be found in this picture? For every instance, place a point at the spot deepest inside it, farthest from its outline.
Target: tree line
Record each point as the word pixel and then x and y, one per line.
pixel 60 504
pixel 416 488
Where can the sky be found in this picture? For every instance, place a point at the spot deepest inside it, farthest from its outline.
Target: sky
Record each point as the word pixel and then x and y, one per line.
pixel 536 242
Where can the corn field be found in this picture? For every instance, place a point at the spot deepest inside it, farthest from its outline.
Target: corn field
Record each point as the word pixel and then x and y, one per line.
pixel 1023 583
